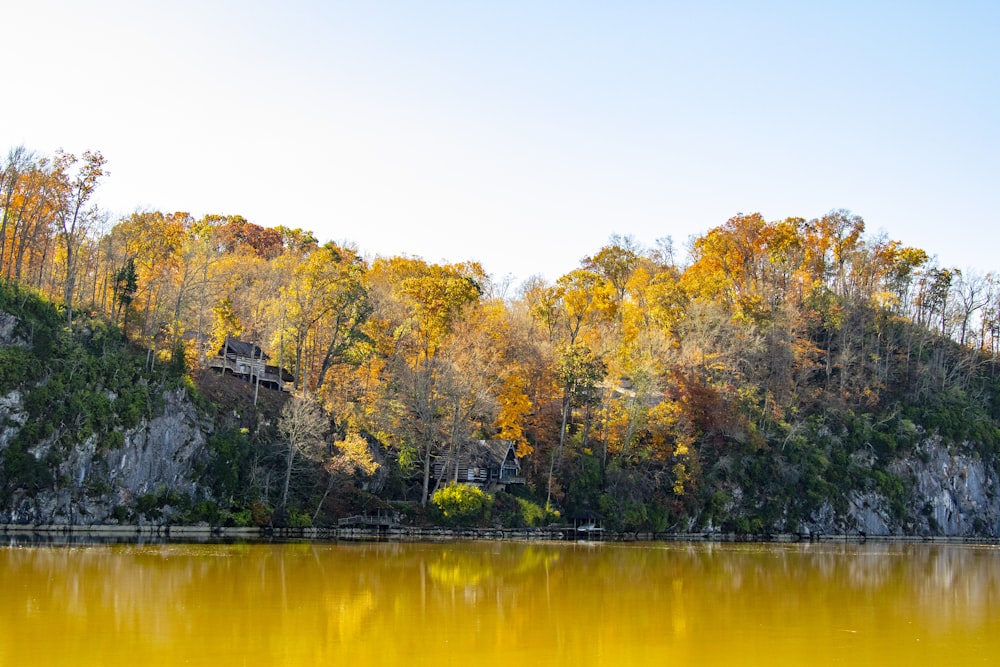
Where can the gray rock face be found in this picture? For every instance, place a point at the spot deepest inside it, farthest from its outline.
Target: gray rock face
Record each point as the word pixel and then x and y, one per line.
pixel 868 515
pixel 159 456
pixel 12 417
pixel 7 324
pixel 951 494
pixel 954 494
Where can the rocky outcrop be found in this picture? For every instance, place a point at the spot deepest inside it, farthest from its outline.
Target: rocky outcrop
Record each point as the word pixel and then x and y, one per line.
pixel 160 456
pixel 953 493
pixel 8 324
pixel 948 493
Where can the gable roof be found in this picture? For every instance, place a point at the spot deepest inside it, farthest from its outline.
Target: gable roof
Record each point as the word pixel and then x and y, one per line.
pixel 482 452
pixel 242 349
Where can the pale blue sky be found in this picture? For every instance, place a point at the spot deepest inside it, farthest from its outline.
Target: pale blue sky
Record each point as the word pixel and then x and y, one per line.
pixel 524 134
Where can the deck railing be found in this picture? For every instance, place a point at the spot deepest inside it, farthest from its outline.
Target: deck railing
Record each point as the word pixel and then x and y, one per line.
pixel 250 369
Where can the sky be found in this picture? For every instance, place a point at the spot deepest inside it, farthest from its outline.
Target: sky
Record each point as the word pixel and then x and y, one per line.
pixel 523 134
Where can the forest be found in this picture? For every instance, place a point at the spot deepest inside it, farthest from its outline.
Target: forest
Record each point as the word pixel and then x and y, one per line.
pixel 748 380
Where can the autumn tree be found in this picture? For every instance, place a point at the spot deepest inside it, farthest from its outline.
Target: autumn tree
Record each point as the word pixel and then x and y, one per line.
pixel 474 371
pixel 351 459
pixel 303 427
pixel 832 240
pixel 13 172
pixel 77 185
pixel 235 233
pixel 323 308
pixel 31 204
pixel 225 324
pixel 152 240
pixel 583 302
pixel 615 263
pixel 418 305
pixel 579 373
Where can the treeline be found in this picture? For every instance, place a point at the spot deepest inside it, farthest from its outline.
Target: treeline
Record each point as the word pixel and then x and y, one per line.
pixel 737 382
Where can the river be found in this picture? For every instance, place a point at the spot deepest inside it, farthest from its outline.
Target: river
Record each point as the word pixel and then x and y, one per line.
pixel 499 603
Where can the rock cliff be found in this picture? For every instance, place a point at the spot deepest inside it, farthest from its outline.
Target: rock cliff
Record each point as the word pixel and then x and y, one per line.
pixel 160 456
pixel 947 493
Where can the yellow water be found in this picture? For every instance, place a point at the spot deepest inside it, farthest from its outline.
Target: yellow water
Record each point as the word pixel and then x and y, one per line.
pixel 499 603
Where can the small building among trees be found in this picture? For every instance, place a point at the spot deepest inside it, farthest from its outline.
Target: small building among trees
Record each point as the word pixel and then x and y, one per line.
pixel 249 362
pixel 483 463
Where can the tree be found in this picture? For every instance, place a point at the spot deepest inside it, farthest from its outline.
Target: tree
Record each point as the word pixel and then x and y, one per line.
pixel 972 290
pixel 126 284
pixel 436 296
pixel 583 301
pixel 15 169
pixel 76 187
pixel 32 192
pixel 234 233
pixel 302 426
pixel 326 294
pixel 473 370
pixel 353 458
pixel 833 238
pixel 933 297
pixel 341 329
pixel 616 262
pixel 153 241
pixel 225 324
pixel 579 373
pixel 514 407
pixel 900 265
pixel 425 400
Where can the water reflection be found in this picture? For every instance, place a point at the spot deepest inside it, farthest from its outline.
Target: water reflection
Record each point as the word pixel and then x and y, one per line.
pixel 495 603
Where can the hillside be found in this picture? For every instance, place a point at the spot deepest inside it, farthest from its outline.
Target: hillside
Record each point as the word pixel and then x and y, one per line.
pixel 787 376
pixel 91 435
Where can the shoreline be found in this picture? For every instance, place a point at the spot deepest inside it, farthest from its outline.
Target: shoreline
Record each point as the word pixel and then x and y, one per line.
pixel 201 533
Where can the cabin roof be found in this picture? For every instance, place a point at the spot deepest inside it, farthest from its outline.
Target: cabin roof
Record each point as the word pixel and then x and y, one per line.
pixel 482 452
pixel 242 349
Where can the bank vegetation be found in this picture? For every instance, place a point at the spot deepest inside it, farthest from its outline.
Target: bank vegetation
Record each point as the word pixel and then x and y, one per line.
pixel 769 375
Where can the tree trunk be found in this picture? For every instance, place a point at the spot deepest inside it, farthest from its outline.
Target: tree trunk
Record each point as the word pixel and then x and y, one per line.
pixel 289 461
pixel 562 440
pixel 427 477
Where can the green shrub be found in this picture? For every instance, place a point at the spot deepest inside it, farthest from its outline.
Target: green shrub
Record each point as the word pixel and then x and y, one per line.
pixel 298 519
pixel 462 504
pixel 19 469
pixel 507 510
pixel 517 512
pixel 229 470
pixel 261 514
pixel 122 514
pixel 148 506
pixel 536 515
pixel 17 366
pixel 113 440
pixel 205 511
pixel 242 518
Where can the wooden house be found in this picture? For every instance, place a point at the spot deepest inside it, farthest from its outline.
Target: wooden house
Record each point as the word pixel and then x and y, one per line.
pixel 249 362
pixel 483 463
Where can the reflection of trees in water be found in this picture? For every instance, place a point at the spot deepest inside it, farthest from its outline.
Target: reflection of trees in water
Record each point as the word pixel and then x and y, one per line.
pixel 468 575
pixel 944 584
pixel 322 602
pixel 460 565
pixel 962 585
pixel 259 599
